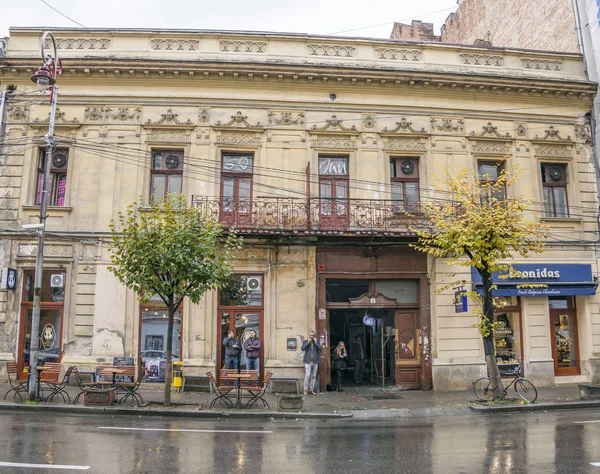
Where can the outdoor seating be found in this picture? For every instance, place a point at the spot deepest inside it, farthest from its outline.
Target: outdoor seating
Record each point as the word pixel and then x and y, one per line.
pixel 58 387
pixel 257 393
pixel 83 386
pixel 47 374
pixel 130 389
pixel 222 392
pixel 17 381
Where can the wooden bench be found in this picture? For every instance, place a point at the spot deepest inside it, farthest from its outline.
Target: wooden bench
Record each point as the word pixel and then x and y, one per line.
pixel 285 379
pixel 203 379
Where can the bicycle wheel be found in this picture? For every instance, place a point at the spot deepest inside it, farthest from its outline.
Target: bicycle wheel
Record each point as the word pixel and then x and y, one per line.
pixel 526 390
pixel 482 389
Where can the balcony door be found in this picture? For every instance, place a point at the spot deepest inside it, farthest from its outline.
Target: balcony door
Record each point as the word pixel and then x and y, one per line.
pixel 334 212
pixel 236 190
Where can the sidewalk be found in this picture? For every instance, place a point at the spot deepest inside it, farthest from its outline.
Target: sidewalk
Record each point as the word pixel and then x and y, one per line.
pixel 362 402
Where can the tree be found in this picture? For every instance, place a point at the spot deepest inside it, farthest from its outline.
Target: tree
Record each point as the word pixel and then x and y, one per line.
pixel 171 250
pixel 479 222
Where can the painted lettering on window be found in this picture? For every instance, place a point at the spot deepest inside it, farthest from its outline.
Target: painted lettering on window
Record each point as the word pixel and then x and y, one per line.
pixel 333 166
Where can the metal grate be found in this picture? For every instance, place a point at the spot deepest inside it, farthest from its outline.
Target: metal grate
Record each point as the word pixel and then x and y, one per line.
pixel 390 396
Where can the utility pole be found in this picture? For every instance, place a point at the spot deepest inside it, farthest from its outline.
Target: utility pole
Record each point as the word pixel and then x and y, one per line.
pixel 45 76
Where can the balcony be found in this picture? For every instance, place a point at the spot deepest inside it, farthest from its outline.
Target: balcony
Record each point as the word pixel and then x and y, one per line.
pixel 314 216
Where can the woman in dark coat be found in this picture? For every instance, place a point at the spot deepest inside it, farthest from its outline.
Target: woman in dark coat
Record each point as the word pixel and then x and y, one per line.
pixel 340 355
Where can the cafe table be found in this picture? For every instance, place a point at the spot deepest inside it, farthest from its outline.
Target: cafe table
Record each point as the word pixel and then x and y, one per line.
pixel 239 376
pixel 39 369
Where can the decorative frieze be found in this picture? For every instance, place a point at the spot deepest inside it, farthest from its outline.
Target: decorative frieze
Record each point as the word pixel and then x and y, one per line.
pixel 236 137
pixel 334 124
pixel 331 50
pixel 18 113
pixel 172 44
pixel 242 46
pixel 59 119
pixel 368 121
pixel 404 143
pixel 80 43
pixel 552 135
pixel 482 60
pixel 553 150
pixel 204 116
pixel 169 118
pixel 542 64
pixel 286 118
pixel 490 147
pixel 124 115
pixel 521 130
pixel 168 136
pixel 583 133
pixel 50 250
pixel 95 114
pixel 238 120
pixel 404 126
pixel 448 125
pixel 394 54
pixel 490 131
pixel 334 141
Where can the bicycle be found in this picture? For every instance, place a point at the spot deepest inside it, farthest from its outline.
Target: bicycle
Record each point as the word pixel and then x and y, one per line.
pixel 524 388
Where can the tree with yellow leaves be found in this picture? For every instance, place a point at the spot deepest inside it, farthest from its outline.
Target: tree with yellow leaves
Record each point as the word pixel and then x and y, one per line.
pixel 479 225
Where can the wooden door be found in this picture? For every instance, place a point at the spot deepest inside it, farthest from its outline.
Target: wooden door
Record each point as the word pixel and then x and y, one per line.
pixel 334 212
pixel 565 341
pixel 407 350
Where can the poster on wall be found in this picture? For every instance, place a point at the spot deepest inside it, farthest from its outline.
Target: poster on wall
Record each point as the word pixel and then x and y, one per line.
pixel 155 370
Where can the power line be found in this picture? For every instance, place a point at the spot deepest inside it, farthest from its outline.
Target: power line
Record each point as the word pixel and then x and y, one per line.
pixel 62 14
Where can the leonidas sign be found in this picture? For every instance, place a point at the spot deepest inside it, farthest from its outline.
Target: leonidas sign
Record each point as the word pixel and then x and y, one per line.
pixel 560 280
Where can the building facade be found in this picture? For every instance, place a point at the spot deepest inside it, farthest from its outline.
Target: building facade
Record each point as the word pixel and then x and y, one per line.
pixel 319 151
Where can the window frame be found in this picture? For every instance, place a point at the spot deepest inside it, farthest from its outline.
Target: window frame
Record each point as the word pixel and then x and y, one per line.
pixel 405 206
pixel 233 215
pixel 500 165
pixel 552 186
pixel 165 172
pixel 54 173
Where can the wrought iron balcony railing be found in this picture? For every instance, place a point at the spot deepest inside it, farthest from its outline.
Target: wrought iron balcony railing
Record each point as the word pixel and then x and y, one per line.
pixel 312 216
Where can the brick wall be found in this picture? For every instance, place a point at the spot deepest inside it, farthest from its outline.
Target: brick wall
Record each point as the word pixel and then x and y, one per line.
pixel 531 24
pixel 416 31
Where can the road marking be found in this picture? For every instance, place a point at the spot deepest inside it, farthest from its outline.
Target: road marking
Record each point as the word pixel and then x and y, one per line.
pixel 44 466
pixel 595 464
pixel 182 430
pixel 591 421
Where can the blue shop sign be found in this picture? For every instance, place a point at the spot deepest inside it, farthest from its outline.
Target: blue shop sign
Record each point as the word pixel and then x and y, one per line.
pixel 560 280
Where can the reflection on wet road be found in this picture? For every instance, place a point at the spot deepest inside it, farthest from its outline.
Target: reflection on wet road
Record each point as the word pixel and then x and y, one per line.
pixel 558 442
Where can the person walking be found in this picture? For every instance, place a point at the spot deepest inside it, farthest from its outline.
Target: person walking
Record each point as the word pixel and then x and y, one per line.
pixel 339 363
pixel 252 348
pixel 359 354
pixel 232 352
pixel 312 350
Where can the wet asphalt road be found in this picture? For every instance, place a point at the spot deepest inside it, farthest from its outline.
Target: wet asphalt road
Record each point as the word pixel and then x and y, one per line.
pixel 556 442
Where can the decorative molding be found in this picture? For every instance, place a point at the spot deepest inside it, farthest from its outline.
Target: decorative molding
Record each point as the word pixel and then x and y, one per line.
pixel 482 60
pixel 242 46
pixel 59 120
pixel 172 44
pixel 168 136
pixel 334 141
pixel 80 43
pixel 553 135
pixel 96 113
pixel 169 119
pixel 334 123
pixel 542 64
pixel 50 250
pixel 394 54
pixel 18 113
pixel 553 150
pixel 123 114
pixel 240 120
pixel 404 126
pixel 331 50
pixel 252 254
pixel 404 143
pixel 448 125
pixel 490 131
pixel 287 118
pixel 235 137
pixel 204 116
pixel 366 301
pixel 491 147
pixel 521 130
pixel 583 133
pixel 368 121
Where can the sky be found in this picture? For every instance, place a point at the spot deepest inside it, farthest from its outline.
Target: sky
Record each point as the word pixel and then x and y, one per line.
pixel 337 17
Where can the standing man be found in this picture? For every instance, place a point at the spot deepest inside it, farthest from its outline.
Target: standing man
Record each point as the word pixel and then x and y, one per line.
pixel 358 351
pixel 232 351
pixel 312 350
pixel 252 348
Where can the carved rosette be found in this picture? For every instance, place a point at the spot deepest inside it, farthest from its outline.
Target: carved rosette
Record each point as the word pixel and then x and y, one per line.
pixel 204 116
pixel 368 121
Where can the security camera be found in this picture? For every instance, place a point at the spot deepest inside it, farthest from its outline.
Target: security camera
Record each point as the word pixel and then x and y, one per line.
pixel 332 96
pixel 33 226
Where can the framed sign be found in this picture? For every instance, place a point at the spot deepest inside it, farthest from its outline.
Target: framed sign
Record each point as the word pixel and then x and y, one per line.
pixel 292 344
pixel 9 279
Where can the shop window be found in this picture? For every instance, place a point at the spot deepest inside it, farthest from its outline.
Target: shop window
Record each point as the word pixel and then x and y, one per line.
pixel 57 183
pixel 242 290
pixel 166 175
pixel 404 175
pixel 489 172
pixel 403 291
pixel 507 333
pixel 236 188
pixel 341 290
pixel 554 183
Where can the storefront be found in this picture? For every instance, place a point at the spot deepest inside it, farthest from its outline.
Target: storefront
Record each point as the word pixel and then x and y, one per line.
pixel 560 287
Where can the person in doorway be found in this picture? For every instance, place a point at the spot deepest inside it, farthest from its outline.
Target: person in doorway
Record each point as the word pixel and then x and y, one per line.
pixel 339 363
pixel 252 348
pixel 358 351
pixel 232 352
pixel 312 350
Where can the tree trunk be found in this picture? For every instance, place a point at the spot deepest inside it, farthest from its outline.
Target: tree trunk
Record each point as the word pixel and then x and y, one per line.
pixel 488 341
pixel 169 368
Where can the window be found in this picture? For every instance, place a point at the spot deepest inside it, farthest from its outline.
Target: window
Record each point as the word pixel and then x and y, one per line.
pixel 404 174
pixel 242 290
pixel 554 182
pixel 57 185
pixel 489 172
pixel 167 174
pixel 236 188
pixel 333 192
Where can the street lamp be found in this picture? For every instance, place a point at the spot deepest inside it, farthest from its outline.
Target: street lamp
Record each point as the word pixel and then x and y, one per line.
pixel 45 76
